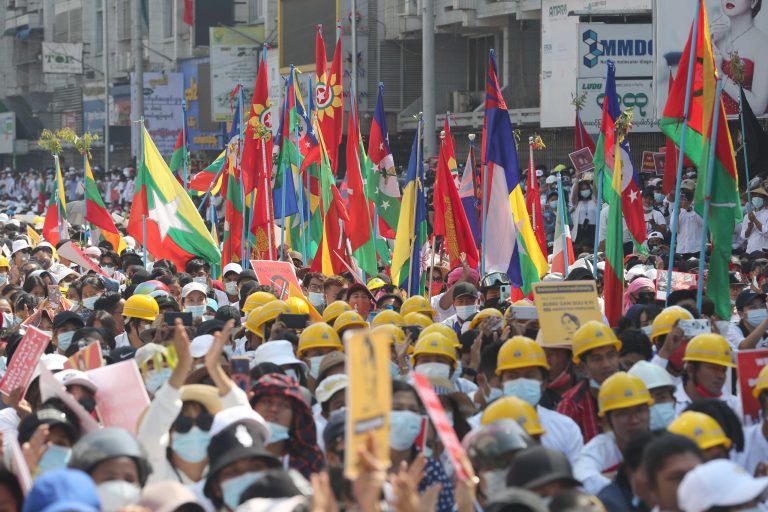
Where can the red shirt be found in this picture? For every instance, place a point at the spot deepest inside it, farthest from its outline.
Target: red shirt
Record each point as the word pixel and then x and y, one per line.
pixel 579 405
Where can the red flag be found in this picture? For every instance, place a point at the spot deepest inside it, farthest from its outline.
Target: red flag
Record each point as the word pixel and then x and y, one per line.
pixel 671 154
pixel 450 219
pixel 329 98
pixel 256 162
pixel 189 12
pixel 359 231
pixel 533 201
pixel 581 137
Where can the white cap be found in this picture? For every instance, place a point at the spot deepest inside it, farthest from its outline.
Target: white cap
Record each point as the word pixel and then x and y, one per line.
pixel 130 242
pixel 51 362
pixel 19 245
pixel 656 234
pixel 539 173
pixel 719 483
pixel 63 273
pixel 44 245
pixel 148 351
pixel 92 251
pixel 230 415
pixel 70 376
pixel 652 375
pixel 550 180
pixel 279 352
pixel 329 386
pixel 200 345
pixel 640 271
pixel 193 287
pixel 231 267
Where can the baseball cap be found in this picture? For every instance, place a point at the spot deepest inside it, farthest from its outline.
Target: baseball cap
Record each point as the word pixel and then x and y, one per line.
pixel 719 483
pixel 200 345
pixel 329 361
pixel 330 386
pixel 193 287
pixel 746 297
pixel 231 267
pixel 279 352
pixel 537 466
pixel 71 377
pixel 356 287
pixel 247 274
pixel 67 316
pixel 462 289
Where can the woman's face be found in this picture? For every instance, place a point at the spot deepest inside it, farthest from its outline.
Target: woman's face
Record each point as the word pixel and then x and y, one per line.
pixel 405 401
pixel 118 468
pixel 195 299
pixel 568 324
pixel 644 320
pixel 38 291
pixel 737 7
pixel 90 291
pixel 276 409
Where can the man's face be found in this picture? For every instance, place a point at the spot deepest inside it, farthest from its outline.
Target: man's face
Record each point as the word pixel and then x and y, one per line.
pixel 464 300
pixel 331 293
pixel 601 362
pixel 710 376
pixel 315 285
pixel 669 477
pixel 630 421
pixel 360 302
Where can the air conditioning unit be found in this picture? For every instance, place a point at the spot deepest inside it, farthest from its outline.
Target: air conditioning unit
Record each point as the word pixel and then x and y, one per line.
pixel 460 101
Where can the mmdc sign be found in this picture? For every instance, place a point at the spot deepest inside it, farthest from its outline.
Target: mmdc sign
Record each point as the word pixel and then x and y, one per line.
pixel 629 46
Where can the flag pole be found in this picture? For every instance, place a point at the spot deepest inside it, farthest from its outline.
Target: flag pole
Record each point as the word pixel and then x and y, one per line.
pixel 86 226
pixel 561 208
pixel 744 143
pixel 58 194
pixel 240 144
pixel 484 214
pixel 418 162
pixel 431 265
pixel 298 168
pixel 686 108
pixel 708 195
pixel 284 194
pixel 600 177
pixel 140 159
pixel 184 141
pixel 310 90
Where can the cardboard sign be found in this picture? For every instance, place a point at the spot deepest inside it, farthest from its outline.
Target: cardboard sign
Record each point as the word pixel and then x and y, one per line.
pixel 50 387
pixel 648 165
pixel 24 361
pixel 749 363
pixel 444 427
pixel 86 358
pixel 34 237
pixel 121 395
pixel 563 307
pixel 73 253
pixel 369 398
pixel 680 281
pixel 278 274
pixel 659 161
pixel 582 160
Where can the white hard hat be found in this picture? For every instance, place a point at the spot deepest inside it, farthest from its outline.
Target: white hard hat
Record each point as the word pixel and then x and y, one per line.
pixel 652 375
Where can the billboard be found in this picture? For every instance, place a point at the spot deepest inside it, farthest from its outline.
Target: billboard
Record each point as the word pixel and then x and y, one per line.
pixel 63 58
pixel 234 60
pixel 7 132
pixel 163 93
pixel 634 93
pixel 733 28
pixel 202 133
pixel 630 46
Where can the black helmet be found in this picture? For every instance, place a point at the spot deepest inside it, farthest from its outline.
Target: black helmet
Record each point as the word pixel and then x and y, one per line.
pixel 109 443
pixel 488 447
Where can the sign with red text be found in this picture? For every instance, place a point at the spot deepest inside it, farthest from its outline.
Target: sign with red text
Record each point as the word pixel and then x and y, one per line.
pixel 749 363
pixel 24 361
pixel 121 395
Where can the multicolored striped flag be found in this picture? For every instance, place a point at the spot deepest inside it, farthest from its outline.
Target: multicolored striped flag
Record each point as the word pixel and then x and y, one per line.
pixel 329 97
pixel 56 215
pixel 467 193
pixel 384 190
pixel 614 236
pixel 97 214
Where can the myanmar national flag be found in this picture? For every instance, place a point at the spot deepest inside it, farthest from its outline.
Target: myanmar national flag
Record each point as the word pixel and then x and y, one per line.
pixel 614 242
pixel 384 190
pixel 177 157
pixel 97 214
pixel 175 230
pixel 202 181
pixel 56 214
pixel 233 215
pixel 725 207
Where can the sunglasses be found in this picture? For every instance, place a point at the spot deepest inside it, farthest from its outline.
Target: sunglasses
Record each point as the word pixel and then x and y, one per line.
pixel 184 424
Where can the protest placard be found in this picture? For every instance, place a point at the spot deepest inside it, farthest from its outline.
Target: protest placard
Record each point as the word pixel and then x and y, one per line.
pixel 52 388
pixel 24 361
pixel 369 398
pixel 563 307
pixel 680 281
pixel 648 165
pixel 749 364
pixel 121 396
pixel 278 274
pixel 73 253
pixel 87 358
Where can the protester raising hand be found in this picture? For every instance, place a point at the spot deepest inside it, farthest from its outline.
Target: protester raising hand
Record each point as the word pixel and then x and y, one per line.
pixel 213 360
pixel 184 362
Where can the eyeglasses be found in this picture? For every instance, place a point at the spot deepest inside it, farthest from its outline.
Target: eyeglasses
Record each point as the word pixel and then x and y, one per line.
pixel 493 279
pixel 185 423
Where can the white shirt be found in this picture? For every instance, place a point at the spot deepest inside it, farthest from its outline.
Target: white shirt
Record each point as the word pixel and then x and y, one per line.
pixel 683 400
pixel 604 225
pixel 655 216
pixel 758 239
pixel 121 340
pixel 689 228
pixel 561 433
pixel 600 454
pixel 440 313
pixel 755 449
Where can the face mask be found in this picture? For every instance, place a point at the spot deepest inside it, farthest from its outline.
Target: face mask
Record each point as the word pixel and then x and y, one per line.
pixel 156 378
pixel 394 370
pixel 90 302
pixel 524 389
pixel 197 311
pixel 231 287
pixel 3 279
pixel 117 494
pixel 757 202
pixel 49 333
pixel 756 316
pixel 659 198
pixel 464 312
pixel 109 270
pixel 493 395
pixel 495 482
pixel 585 194
pixel 240 344
pixel 75 304
pixel 205 318
pixel 594 384
pixel 317 299
pixel 191 446
pixel 404 427
pixel 8 320
pixel 55 457
pixel 65 340
pixel 314 366
pixel 277 433
pixel 233 488
pixel 553 205
pixel 433 370
pixel 662 415
pixel 228 351
pixel 201 280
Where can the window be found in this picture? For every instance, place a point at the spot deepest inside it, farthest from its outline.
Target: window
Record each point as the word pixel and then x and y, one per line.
pixel 168 16
pixel 124 20
pixel 479 48
pixel 255 12
pixel 98 41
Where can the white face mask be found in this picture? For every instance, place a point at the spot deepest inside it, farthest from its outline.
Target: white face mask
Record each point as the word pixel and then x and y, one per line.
pixel 404 428
pixel 433 370
pixel 464 312
pixel 230 287
pixel 117 494
pixel 317 299
pixel 495 482
pixel 314 366
pixel 201 280
pixel 197 311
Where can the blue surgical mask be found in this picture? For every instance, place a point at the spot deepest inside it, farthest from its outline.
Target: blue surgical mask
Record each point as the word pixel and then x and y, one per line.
pixel 441 370
pixel 234 488
pixel 394 369
pixel 528 390
pixel 8 320
pixel 230 287
pixel 585 193
pixel 404 427
pixel 65 340
pixel 197 311
pixel 90 302
pixel 115 495
pixel 314 366
pixel 191 446
pixel 464 312
pixel 201 280
pixel 662 415
pixel 55 457
pixel 553 205
pixel 758 202
pixel 109 270
pixel 3 279
pixel 317 299
pixel 659 198
pixel 756 316
pixel 594 384
pixel 277 433
pixel 156 378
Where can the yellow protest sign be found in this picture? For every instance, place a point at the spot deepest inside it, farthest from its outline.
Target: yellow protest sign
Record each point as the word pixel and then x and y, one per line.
pixel 369 398
pixel 34 237
pixel 563 307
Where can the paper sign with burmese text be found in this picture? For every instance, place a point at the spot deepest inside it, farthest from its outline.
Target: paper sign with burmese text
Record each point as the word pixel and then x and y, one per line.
pixel 121 395
pixel 87 358
pixel 680 281
pixel 24 361
pixel 369 398
pixel 443 426
pixel 282 277
pixel 749 364
pixel 563 307
pixel 52 388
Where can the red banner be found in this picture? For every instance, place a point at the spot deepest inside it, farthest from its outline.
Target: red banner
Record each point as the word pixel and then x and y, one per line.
pixel 749 363
pixel 24 361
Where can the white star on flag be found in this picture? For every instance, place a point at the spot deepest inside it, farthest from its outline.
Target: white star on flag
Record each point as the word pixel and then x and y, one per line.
pixel 633 196
pixel 385 204
pixel 165 215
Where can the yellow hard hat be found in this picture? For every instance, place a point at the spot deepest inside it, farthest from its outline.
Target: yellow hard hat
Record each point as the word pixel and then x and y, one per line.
pixel 513 408
pixel 486 313
pixel 318 335
pixel 667 319
pixel 419 319
pixel 592 335
pixel 701 429
pixel 762 382
pixel 709 348
pixel 333 310
pixel 388 316
pixel 257 299
pixel 620 391
pixel 256 319
pixel 520 352
pixel 143 307
pixel 375 283
pixel 396 334
pixel 297 305
pixel 349 320
pixel 444 330
pixel 435 344
pixel 417 304
pixel 4 262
